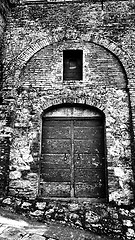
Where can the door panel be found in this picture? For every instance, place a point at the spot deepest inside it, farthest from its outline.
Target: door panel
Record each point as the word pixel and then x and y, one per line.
pixel 56 123
pixel 56 175
pixel 55 160
pixel 88 122
pixel 88 133
pixel 88 146
pixel 56 146
pixel 89 190
pixel 88 160
pixel 89 175
pixel 55 189
pixel 57 133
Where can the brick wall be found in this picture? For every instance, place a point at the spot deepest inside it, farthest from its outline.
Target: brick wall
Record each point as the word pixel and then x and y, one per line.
pixel 35 38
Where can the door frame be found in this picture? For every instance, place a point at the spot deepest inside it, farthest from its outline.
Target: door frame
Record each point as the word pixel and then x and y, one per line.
pixel 72 198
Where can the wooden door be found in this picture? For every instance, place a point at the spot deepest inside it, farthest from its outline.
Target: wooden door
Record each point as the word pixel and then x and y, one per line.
pixel 72 162
pixel 56 158
pixel 89 158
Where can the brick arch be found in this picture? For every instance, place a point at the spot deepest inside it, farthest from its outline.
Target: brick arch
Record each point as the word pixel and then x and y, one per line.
pixel 21 60
pixel 53 105
pixel 97 103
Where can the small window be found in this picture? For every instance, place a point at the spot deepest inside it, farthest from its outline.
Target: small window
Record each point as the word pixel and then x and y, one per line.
pixel 72 64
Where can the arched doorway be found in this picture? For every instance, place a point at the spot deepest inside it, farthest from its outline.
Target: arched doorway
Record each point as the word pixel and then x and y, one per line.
pixel 73 153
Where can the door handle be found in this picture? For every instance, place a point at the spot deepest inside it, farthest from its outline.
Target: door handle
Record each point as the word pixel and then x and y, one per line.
pixel 78 157
pixel 65 157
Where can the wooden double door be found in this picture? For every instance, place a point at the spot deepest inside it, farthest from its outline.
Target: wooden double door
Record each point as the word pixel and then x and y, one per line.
pixel 72 158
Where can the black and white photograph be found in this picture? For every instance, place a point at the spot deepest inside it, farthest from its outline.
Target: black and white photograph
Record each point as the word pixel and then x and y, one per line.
pixel 67 119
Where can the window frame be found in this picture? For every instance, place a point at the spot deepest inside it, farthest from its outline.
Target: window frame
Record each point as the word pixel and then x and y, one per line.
pixel 70 56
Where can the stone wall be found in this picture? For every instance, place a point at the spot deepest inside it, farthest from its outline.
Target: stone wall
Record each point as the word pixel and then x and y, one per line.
pixel 35 38
pixel 3 10
pixel 102 219
pixel 4 120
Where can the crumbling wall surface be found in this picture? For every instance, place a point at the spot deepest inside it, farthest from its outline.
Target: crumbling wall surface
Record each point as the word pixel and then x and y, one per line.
pixel 35 38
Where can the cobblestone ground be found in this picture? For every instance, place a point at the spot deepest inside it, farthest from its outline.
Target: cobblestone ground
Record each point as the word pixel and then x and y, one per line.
pixel 16 228
pixel 45 233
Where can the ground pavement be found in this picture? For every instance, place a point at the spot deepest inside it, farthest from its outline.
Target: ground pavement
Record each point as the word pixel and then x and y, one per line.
pixel 15 227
